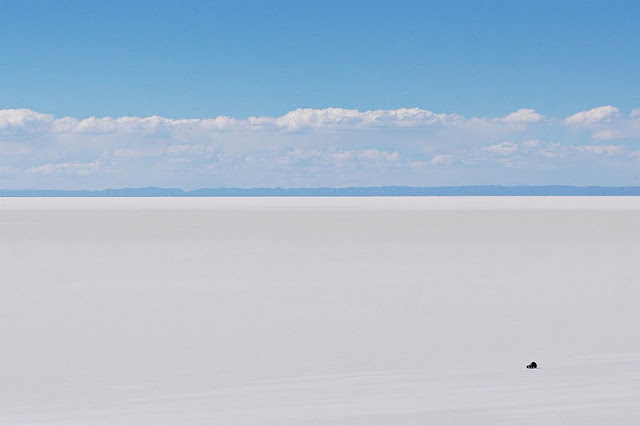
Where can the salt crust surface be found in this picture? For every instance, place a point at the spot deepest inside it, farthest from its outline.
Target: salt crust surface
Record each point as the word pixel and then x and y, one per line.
pixel 324 203
pixel 320 311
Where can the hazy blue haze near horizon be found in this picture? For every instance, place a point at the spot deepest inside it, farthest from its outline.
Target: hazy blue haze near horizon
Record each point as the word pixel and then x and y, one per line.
pixel 445 191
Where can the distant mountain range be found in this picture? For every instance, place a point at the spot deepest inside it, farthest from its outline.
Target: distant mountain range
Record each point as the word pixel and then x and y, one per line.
pixel 488 190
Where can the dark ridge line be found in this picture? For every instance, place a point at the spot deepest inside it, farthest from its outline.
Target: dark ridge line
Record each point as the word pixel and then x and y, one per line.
pixel 378 191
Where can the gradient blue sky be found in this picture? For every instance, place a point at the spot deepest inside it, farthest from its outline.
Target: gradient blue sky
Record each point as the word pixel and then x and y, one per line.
pixel 471 64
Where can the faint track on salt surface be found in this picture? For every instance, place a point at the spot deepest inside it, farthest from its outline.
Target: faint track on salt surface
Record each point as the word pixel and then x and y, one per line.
pixel 607 390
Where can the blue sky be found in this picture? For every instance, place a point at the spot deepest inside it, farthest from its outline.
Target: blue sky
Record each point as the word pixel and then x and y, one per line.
pixel 318 93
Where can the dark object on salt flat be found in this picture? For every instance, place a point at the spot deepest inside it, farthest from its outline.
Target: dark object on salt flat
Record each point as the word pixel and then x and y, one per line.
pixel 532 365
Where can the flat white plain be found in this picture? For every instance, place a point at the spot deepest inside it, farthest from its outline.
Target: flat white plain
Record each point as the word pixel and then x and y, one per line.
pixel 320 311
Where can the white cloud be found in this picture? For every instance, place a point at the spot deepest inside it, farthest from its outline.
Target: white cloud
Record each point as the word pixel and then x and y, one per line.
pixel 147 126
pixel 603 149
pixel 195 150
pixel 328 157
pixel 528 153
pixel 608 134
pixel 302 147
pixel 303 118
pixel 523 115
pixel 64 125
pixel 367 154
pixel 76 168
pixel 531 143
pixel 23 119
pixel 505 148
pixel 443 160
pixel 592 116
pixel 308 117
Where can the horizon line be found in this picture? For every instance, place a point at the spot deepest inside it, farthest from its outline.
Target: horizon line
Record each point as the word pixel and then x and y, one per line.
pixel 353 191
